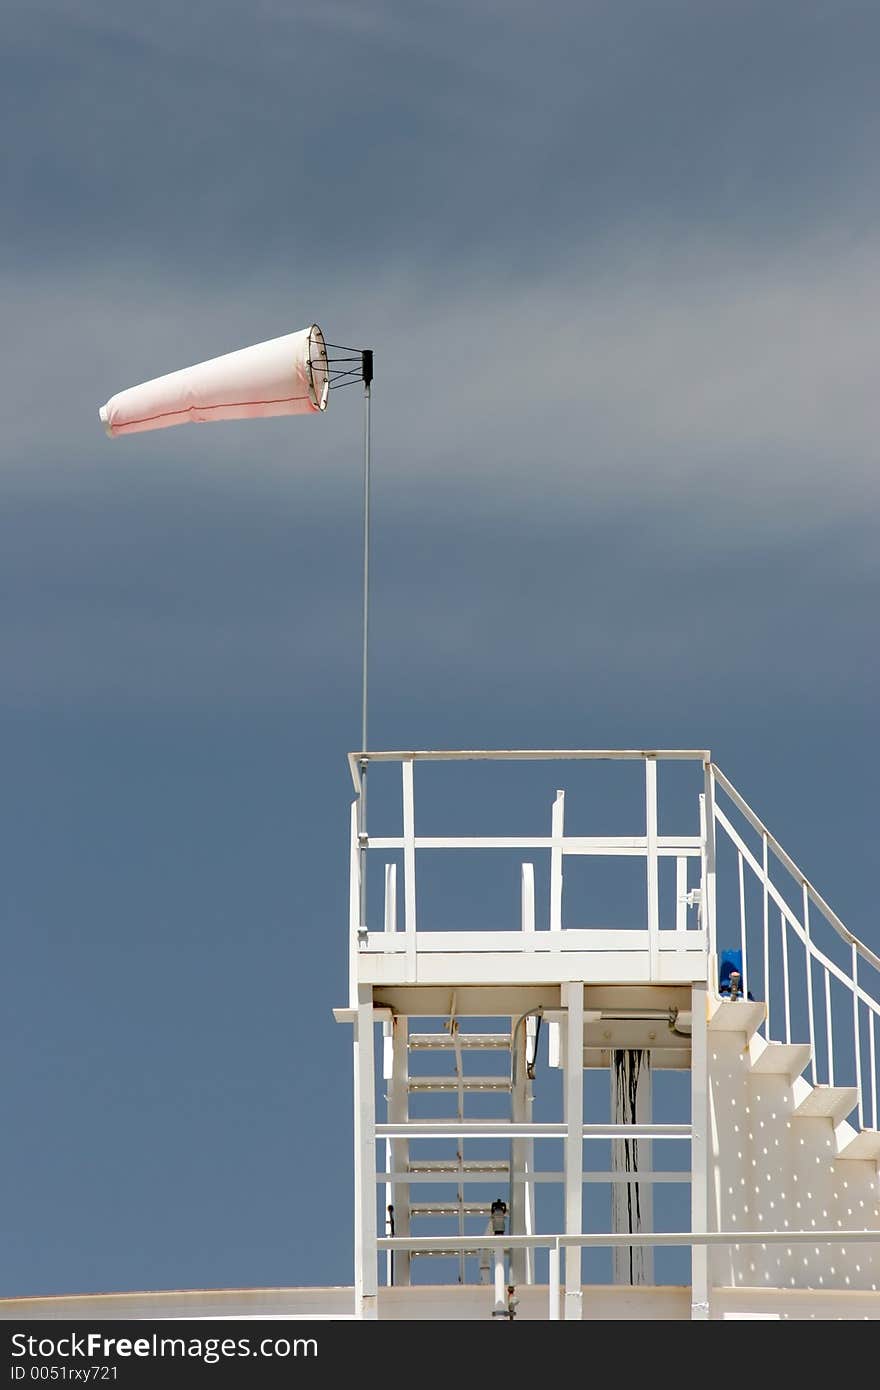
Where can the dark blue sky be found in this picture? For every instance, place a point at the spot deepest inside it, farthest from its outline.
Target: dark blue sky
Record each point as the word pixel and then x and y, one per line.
pixel 619 265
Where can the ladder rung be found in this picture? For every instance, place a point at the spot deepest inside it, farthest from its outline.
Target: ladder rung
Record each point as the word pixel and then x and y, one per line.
pixel 435 1254
pixel 451 1209
pixel 452 1083
pixel 445 1042
pixel 468 1167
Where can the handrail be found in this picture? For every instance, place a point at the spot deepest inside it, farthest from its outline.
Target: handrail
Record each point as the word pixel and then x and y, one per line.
pixel 357 760
pixel 556 1243
pixel 785 859
pixel 791 918
pixel 862 1235
pixel 825 1057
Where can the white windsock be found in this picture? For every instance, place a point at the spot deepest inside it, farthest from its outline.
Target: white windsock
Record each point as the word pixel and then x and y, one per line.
pixel 285 376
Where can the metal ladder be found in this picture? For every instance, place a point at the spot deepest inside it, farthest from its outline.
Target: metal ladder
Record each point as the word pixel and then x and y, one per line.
pixel 402 1203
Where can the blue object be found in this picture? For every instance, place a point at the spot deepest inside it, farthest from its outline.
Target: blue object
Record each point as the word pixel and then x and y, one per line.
pixel 730 961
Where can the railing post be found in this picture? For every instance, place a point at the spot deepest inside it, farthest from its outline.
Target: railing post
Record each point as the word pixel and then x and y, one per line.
pixel 809 973
pixel 785 990
pixel 744 982
pixel 557 825
pixel 398 1161
pixel 553 1283
pixel 766 885
pixel 573 1001
pixel 829 1041
pixel 857 1041
pixel 708 894
pixel 652 870
pixel 409 868
pixel 354 907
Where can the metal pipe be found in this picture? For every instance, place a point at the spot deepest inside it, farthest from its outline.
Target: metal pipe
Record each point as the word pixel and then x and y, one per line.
pixel 367 368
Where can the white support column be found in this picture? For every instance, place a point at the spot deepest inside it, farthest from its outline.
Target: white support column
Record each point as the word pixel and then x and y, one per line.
pixel 701 1156
pixel 573 1001
pixel 398 1113
pixel 365 1233
pixel 553 1285
pixel 520 1111
pixel 708 884
pixel 652 870
pixel 354 907
pixel 525 1270
pixel 557 826
pixel 409 869
pixel 631 1202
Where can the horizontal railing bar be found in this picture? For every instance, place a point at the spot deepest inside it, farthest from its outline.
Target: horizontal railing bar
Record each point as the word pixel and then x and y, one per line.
pixel 514 941
pixel 624 1238
pixel 700 755
pixel 514 1129
pixel 687 846
pixel 791 866
pixel 454 1176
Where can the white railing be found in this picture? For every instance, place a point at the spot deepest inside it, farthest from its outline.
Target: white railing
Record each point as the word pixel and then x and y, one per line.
pixel 819 982
pixel 664 917
pixel 502 1244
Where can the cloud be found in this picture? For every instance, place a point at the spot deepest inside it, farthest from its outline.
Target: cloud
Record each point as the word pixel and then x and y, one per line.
pixel 696 376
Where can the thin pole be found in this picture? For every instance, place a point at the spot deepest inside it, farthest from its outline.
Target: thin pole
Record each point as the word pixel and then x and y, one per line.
pixel 367 361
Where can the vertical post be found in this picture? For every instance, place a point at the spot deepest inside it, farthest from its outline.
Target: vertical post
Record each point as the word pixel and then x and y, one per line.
pixel 810 1006
pixel 557 823
pixel 398 1113
pixel 829 1039
pixel 857 1041
pixel 367 369
pixel 409 868
pixel 527 1149
pixel 519 1156
pixel 766 877
pixel 653 873
pixel 700 1151
pixel 872 1053
pixel 785 994
pixel 365 1272
pixel 553 1283
pixel 354 907
pixel 744 982
pixel 395 1070
pixel 709 870
pixel 573 1001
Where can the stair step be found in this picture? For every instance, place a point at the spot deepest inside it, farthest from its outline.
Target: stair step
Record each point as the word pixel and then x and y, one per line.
pixel 452 1083
pixel 736 1015
pixel 451 1209
pixel 779 1059
pixel 445 1042
pixel 829 1102
pixel 857 1143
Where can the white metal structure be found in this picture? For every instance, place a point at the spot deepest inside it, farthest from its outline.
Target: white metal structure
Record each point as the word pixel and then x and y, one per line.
pixel 781 1138
pixel 496 1052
